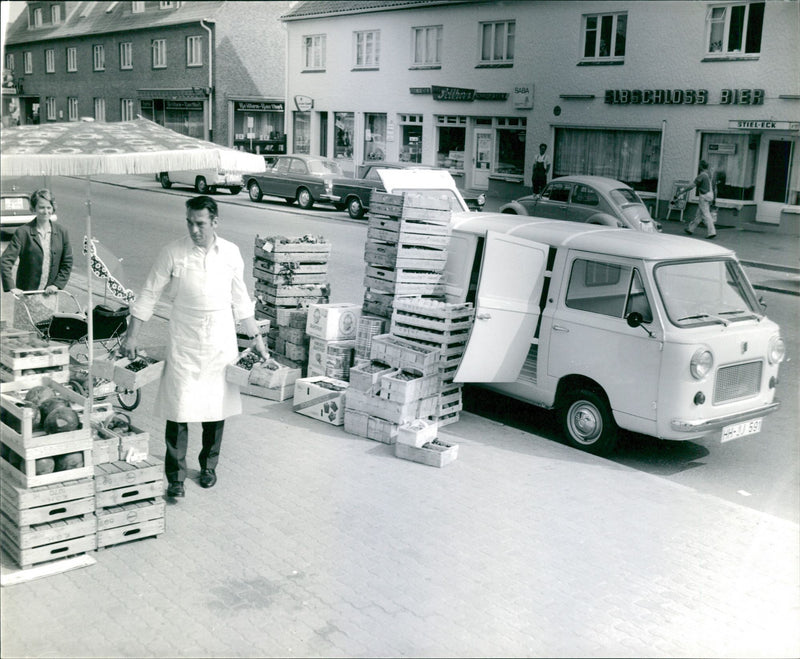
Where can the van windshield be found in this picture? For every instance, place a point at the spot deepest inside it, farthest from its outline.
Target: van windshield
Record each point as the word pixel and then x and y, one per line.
pixel 706 292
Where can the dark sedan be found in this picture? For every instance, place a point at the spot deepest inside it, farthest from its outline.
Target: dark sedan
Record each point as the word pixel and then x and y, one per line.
pixel 589 199
pixel 300 178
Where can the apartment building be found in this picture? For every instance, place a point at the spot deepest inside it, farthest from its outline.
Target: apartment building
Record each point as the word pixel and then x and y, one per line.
pixel 635 90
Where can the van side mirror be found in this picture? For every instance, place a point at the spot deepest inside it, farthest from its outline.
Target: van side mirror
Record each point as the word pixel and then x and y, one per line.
pixel 635 319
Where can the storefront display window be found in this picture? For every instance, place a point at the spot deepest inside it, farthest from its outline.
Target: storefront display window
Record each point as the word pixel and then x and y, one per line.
pixel 411 147
pixel 629 156
pixel 510 151
pixel 302 133
pixel 343 139
pixel 258 126
pixel 732 161
pixel 374 137
pixel 451 142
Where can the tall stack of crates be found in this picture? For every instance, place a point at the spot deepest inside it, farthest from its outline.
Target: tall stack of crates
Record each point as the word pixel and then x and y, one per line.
pixel 406 248
pixel 446 327
pixel 290 274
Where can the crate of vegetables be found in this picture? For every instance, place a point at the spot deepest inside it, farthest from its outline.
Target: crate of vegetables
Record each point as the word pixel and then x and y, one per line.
pixel 44 465
pixel 252 368
pixel 26 352
pixel 133 374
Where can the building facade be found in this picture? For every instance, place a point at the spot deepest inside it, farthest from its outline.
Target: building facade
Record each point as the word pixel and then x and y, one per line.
pixel 213 70
pixel 637 91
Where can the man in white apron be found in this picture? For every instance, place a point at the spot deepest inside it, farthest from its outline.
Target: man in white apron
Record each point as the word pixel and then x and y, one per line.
pixel 203 278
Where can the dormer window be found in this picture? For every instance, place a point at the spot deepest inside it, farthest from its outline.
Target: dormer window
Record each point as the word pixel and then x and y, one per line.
pixel 166 5
pixel 137 7
pixel 55 14
pixel 37 17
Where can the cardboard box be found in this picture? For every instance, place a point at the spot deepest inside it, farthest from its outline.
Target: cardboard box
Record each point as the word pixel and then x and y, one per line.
pixel 332 358
pixel 320 398
pixel 333 322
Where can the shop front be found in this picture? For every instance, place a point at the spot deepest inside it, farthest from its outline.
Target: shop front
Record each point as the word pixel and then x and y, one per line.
pixel 181 110
pixel 258 126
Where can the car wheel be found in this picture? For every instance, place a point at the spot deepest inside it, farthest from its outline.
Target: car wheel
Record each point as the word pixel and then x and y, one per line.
pixel 304 199
pixel 236 189
pixel 588 423
pixel 212 189
pixel 165 182
pixel 200 185
pixel 355 208
pixel 254 191
pixel 510 211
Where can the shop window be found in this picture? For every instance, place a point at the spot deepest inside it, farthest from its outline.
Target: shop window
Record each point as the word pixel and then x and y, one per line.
pixel 604 37
pixel 314 52
pixel 159 47
pixel 99 109
pixel 734 29
pixel 302 133
pixel 258 126
pixel 126 55
pixel 510 151
pixel 72 108
pixel 367 49
pixel 732 160
pixel 411 147
pixel 99 58
pixel 374 137
pixel 72 59
pixel 451 136
pixel 27 61
pixel 626 155
pixel 426 45
pixel 194 51
pixel 50 60
pixel 185 117
pixel 50 108
pixel 343 137
pixel 126 109
pixel 497 42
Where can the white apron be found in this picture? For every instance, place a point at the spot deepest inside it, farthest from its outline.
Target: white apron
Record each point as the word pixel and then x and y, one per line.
pixel 202 342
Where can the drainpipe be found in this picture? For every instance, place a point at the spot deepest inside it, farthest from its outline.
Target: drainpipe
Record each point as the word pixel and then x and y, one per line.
pixel 210 79
pixel 660 165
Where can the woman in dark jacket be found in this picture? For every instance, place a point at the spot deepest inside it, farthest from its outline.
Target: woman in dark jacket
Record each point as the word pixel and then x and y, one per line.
pixel 42 249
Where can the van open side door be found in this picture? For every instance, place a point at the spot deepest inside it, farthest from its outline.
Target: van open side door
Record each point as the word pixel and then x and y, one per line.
pixel 506 309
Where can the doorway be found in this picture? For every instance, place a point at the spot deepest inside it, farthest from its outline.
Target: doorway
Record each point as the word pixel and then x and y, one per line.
pixel 776 177
pixel 484 156
pixel 323 134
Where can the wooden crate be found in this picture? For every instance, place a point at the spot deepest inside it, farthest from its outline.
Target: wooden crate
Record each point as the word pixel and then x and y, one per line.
pixel 447 419
pixel 271 267
pixel 120 482
pixel 371 427
pixel 145 510
pixel 17 357
pixel 378 303
pixel 405 276
pixel 367 377
pixel 291 302
pixel 435 453
pixel 280 390
pixel 395 412
pixel 404 354
pixel 284 244
pixel 292 334
pixel 289 278
pixel 399 225
pixel 417 432
pixel 291 291
pixel 137 531
pixel 392 255
pixel 34 376
pixel 408 238
pixel 428 199
pixel 39 543
pixel 135 440
pixel 105 446
pixel 405 387
pixel 128 379
pixel 18 462
pixel 404 288
pixel 47 503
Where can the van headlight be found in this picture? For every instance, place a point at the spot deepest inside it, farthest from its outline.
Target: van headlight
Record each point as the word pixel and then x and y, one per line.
pixel 776 350
pixel 701 363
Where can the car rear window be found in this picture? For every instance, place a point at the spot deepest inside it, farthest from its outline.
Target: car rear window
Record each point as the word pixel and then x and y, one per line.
pixel 324 167
pixel 624 196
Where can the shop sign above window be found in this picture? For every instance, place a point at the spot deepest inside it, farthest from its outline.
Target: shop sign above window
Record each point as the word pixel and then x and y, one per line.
pixel 682 97
pixel 262 106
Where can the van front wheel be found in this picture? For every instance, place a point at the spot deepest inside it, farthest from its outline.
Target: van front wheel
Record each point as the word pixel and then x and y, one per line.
pixel 588 422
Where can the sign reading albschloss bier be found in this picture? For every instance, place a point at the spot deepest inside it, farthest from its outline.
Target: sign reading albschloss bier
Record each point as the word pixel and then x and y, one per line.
pixel 682 96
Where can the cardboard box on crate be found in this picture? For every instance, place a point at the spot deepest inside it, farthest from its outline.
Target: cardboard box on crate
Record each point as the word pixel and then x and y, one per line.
pixel 321 398
pixel 332 359
pixel 333 322
pixel 368 326
pixel 30 456
pixel 48 522
pixel 119 485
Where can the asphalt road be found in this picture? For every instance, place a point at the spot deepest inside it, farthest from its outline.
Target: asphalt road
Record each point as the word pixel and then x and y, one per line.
pixel 760 471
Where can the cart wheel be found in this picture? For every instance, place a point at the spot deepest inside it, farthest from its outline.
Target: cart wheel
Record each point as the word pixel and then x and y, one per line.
pixel 129 400
pixel 77 387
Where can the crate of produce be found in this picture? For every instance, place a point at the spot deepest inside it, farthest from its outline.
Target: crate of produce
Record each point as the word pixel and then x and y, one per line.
pixel 417 432
pixel 122 482
pixel 333 321
pixel 407 238
pixel 292 334
pixel 450 399
pixel 46 464
pixel 133 374
pixel 252 368
pixel 403 276
pixel 322 398
pixel 31 377
pixel 404 354
pixel 367 377
pixel 392 255
pixel 277 391
pixel 428 199
pixel 447 419
pixel 433 287
pixel 435 453
pixel 307 244
pixel 40 543
pixel 130 521
pixel 378 303
pixel 406 386
pixel 398 225
pixel 263 268
pixel 29 352
pixel 290 278
pixel 134 443
pixel 105 445
pixel 46 503
pixel 371 427
pixel 389 410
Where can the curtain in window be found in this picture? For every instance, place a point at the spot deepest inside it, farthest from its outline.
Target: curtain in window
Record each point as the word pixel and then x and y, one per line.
pixel 739 167
pixel 630 156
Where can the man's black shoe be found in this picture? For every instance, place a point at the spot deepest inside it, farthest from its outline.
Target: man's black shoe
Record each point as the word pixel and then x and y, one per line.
pixel 176 490
pixel 207 478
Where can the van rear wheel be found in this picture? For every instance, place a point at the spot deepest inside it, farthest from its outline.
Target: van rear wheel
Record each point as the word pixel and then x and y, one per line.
pixel 165 182
pixel 588 423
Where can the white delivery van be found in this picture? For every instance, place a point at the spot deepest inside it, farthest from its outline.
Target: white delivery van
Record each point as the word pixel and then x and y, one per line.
pixel 653 333
pixel 204 181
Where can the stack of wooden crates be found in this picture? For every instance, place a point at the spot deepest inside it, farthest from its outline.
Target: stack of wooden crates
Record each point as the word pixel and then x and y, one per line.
pixel 290 274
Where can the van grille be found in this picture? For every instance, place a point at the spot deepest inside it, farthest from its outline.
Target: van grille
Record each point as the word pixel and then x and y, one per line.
pixel 737 381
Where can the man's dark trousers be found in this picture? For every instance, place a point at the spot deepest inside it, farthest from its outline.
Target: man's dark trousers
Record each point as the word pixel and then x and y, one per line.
pixel 177 441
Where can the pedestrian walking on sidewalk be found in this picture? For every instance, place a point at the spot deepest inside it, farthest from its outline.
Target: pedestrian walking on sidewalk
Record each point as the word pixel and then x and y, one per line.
pixel 541 168
pixel 203 276
pixel 43 255
pixel 705 189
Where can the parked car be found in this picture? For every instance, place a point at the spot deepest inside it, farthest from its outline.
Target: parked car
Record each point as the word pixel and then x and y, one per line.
pixel 15 209
pixel 355 193
pixel 589 199
pixel 204 181
pixel 301 178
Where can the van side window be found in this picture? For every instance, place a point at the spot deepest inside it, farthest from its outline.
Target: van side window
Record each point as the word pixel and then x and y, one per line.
pixel 637 299
pixel 598 287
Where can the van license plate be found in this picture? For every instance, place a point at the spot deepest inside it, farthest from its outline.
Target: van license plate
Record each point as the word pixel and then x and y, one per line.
pixel 737 430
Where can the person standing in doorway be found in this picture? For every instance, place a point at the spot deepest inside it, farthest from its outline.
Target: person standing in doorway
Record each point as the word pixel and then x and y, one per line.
pixel 706 196
pixel 203 275
pixel 541 168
